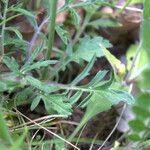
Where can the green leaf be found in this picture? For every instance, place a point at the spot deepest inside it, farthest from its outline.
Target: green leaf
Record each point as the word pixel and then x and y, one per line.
pixel 118 67
pixel 115 96
pixel 75 97
pixel 12 65
pixel 4 132
pixel 139 66
pixel 143 101
pixel 59 144
pixel 35 102
pixel 75 16
pixel 136 1
pixel 37 51
pixel 146 12
pixel 88 47
pixel 85 101
pixel 8 85
pixel 140 113
pixel 16 31
pixel 84 73
pixel 96 105
pixel 3 86
pixel 134 137
pixel 105 84
pixel 39 64
pixel 63 34
pixel 23 96
pixel 137 125
pixel 97 78
pixel 21 44
pixel 104 23
pixel 23 11
pixel 19 142
pixel 145 36
pixel 57 102
pixel 40 85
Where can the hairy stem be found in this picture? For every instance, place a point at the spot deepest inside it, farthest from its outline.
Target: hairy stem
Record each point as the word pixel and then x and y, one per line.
pixel 52 28
pixel 3 28
pixel 53 11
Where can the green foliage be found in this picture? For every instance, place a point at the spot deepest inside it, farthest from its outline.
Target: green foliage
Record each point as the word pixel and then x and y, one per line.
pixel 63 34
pixel 104 23
pixel 140 125
pixel 32 80
pixel 5 136
pixel 57 103
pixel 89 47
pixel 118 67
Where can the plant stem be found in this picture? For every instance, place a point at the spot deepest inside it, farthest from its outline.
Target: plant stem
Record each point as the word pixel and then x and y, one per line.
pixel 86 21
pixel 3 28
pixel 53 10
pixel 52 27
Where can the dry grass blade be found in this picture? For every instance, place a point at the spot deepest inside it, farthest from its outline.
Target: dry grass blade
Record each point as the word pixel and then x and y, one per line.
pixel 46 129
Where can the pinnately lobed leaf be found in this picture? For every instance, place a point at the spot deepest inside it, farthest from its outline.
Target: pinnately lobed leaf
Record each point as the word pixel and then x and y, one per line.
pixel 57 102
pixel 88 47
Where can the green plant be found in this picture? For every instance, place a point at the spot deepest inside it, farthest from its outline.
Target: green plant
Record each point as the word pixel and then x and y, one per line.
pixel 140 126
pixel 38 80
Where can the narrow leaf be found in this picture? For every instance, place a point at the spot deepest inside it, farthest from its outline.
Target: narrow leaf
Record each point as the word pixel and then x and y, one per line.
pixel 63 34
pixel 35 102
pixel 15 30
pixel 75 16
pixel 4 132
pixel 97 78
pixel 40 85
pixel 84 73
pixel 75 97
pixel 12 65
pixel 118 67
pixel 39 64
